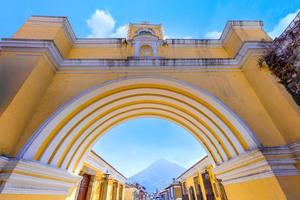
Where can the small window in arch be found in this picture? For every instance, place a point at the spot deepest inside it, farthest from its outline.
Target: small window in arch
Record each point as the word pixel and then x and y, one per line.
pixel 146 51
pixel 144 32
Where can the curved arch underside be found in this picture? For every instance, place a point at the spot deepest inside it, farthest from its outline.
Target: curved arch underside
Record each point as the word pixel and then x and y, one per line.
pixel 66 137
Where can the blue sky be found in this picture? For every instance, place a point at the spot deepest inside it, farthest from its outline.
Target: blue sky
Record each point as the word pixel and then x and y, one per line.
pixel 189 18
pixel 135 144
pixel 142 141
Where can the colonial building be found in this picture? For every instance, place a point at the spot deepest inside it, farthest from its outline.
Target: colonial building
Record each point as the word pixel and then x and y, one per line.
pixel 60 93
pixel 100 181
pixel 131 192
pixel 162 195
pixel 135 192
pixel 200 183
pixel 171 192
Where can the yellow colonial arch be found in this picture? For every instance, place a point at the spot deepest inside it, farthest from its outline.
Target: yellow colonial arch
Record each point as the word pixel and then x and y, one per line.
pixel 66 137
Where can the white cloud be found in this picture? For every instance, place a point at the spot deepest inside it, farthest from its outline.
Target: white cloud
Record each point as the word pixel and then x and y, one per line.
pixel 120 32
pixel 275 32
pixel 213 35
pixel 282 24
pixel 102 24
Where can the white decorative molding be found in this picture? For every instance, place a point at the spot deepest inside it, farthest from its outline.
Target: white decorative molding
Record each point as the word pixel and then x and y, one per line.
pixel 48 47
pixel 271 161
pixel 3 162
pixel 295 150
pixel 56 19
pixel 145 40
pixel 230 25
pixel 29 177
pixel 200 166
pixel 97 162
pixel 74 153
pixel 99 42
pixel 238 169
pixel 246 25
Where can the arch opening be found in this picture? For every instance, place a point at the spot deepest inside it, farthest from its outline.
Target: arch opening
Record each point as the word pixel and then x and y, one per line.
pixel 138 143
pixel 65 138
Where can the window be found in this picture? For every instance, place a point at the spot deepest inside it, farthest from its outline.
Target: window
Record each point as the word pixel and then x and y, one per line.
pixel 208 187
pixel 177 193
pixel 192 193
pixel 146 51
pixel 145 32
pixel 198 188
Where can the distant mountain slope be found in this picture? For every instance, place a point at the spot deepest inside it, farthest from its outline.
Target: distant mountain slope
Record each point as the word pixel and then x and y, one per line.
pixel 158 175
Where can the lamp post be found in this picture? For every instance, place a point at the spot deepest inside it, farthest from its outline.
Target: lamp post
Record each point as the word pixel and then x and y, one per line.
pixel 106 175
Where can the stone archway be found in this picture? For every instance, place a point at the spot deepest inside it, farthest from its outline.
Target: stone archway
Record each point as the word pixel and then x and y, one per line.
pixel 65 138
pixel 51 160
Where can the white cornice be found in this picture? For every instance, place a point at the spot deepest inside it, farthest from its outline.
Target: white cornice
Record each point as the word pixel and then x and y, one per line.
pixel 230 25
pixel 247 25
pixel 34 46
pixel 100 164
pixel 48 47
pixel 295 150
pixel 29 177
pixel 62 20
pixel 271 161
pixel 200 166
pixel 99 42
pixel 213 43
pixel 3 162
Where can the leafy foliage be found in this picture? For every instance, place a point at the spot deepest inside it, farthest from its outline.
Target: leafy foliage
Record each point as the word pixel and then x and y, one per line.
pixel 284 58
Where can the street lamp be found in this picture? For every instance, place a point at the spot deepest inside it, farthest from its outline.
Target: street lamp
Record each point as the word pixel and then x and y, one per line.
pixel 106 175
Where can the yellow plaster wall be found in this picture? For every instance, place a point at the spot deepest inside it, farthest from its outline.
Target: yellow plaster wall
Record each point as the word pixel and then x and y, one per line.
pixel 236 37
pixel 128 193
pixel 19 112
pixel 55 31
pixel 46 31
pixel 62 42
pixel 164 51
pixel 277 101
pixel 232 44
pixel 290 185
pixel 14 69
pixel 231 87
pixel 110 191
pixel 192 52
pixel 121 52
pixel 35 30
pixel 252 34
pixel 252 93
pixel 260 189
